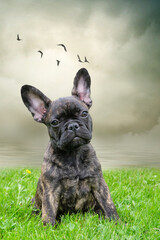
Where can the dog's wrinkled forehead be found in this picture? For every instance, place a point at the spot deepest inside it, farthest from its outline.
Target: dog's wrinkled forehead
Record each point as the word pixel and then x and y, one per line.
pixel 66 107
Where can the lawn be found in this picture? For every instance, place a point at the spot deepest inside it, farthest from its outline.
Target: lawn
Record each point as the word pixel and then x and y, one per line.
pixel 135 192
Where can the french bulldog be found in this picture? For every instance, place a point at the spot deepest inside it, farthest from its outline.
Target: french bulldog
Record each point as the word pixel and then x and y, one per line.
pixel 71 178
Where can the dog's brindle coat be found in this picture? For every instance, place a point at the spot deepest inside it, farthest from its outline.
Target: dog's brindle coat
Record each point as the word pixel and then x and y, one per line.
pixel 71 177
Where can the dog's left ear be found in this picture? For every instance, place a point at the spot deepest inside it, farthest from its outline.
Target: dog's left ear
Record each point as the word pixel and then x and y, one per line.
pixel 81 86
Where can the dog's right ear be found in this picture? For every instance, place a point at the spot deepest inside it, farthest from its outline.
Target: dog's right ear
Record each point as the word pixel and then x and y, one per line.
pixel 36 102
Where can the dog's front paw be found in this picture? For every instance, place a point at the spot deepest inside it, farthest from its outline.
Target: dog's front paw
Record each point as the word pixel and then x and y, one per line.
pixel 48 220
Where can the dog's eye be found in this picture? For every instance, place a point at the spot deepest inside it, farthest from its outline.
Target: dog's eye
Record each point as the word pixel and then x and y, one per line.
pixel 84 114
pixel 55 123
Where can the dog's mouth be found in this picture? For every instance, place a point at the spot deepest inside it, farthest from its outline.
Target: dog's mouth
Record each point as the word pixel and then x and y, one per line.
pixel 77 141
pixel 74 140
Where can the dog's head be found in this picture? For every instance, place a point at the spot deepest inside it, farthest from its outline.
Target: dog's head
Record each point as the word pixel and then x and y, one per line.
pixel 67 119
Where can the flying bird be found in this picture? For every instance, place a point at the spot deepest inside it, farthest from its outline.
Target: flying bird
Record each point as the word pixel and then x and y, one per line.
pixel 58 62
pixel 18 38
pixel 62 45
pixel 85 60
pixel 79 58
pixel 40 53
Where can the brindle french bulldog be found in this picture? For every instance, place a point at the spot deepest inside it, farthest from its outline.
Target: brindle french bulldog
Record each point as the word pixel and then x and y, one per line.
pixel 71 177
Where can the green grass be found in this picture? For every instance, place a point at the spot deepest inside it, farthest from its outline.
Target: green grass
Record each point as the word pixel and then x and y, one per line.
pixel 135 192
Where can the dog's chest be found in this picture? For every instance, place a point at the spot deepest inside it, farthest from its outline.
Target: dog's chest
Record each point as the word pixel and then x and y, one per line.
pixel 76 183
pixel 75 193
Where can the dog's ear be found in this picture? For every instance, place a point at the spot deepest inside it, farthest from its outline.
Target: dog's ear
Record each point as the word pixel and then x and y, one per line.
pixel 36 102
pixel 81 87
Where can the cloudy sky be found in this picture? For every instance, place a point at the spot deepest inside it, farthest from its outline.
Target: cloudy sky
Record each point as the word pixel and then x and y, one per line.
pixel 121 40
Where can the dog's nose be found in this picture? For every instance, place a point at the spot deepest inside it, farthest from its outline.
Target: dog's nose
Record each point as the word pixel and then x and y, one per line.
pixel 73 126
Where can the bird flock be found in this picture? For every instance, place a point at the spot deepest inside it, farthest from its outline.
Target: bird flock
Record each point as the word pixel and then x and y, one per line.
pixel 61 45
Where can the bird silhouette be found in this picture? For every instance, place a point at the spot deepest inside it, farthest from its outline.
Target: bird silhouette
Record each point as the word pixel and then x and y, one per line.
pixel 79 58
pixel 18 38
pixel 40 53
pixel 85 60
pixel 58 62
pixel 62 45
